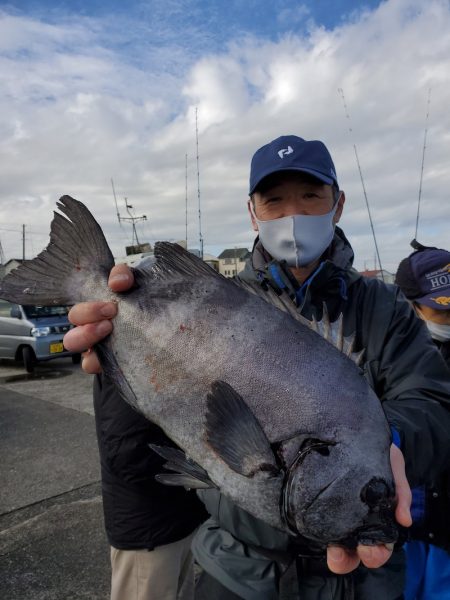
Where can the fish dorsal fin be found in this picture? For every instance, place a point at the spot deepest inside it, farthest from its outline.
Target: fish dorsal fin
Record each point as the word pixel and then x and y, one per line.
pixel 172 259
pixel 333 332
pixel 330 331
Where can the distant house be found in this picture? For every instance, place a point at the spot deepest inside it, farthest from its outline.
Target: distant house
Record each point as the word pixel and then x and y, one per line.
pixel 9 265
pixel 212 261
pixel 380 274
pixel 232 261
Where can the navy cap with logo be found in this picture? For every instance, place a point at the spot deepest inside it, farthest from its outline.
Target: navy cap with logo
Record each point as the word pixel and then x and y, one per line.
pixel 424 276
pixel 292 153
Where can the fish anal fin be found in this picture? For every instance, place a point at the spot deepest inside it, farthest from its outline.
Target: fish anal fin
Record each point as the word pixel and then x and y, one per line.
pixel 182 479
pixel 234 433
pixel 187 472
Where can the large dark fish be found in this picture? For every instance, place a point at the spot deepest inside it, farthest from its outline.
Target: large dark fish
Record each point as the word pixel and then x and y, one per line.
pixel 266 410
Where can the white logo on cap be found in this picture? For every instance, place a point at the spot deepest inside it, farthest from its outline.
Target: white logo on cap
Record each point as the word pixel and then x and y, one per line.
pixel 284 151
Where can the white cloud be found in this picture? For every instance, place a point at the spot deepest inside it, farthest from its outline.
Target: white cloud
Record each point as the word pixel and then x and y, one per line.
pixel 76 111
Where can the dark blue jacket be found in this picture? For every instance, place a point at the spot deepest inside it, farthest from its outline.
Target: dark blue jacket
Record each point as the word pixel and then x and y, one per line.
pixel 139 512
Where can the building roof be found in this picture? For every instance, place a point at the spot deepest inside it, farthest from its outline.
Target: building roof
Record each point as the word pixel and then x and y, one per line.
pixel 240 253
pixel 374 272
pixel 210 258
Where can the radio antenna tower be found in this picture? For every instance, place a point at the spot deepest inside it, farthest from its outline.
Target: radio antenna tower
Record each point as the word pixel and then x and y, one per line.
pixel 341 92
pixel 133 220
pixel 423 162
pixel 198 189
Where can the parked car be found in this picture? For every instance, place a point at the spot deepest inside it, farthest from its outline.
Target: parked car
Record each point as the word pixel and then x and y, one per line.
pixel 33 333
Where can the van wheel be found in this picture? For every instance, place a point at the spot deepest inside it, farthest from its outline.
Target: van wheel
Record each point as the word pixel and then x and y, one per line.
pixel 29 359
pixel 76 359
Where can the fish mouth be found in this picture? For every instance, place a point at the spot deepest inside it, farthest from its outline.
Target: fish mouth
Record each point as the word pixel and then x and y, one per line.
pixel 376 522
pixel 378 528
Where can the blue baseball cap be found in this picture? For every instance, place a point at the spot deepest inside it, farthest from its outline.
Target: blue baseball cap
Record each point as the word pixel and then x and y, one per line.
pixel 424 276
pixel 292 153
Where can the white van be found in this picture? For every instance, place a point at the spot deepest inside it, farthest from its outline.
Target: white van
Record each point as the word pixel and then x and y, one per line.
pixel 33 333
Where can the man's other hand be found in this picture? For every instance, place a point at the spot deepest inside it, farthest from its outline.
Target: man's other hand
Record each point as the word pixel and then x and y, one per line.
pixel 341 560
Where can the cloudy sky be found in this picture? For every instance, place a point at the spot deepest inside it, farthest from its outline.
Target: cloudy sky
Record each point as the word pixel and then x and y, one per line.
pixel 97 89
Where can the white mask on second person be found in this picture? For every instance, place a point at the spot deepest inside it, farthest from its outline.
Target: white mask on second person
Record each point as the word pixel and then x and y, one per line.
pixel 297 239
pixel 438 331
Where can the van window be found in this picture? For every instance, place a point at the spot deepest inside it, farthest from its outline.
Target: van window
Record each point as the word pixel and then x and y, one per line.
pixel 34 312
pixel 5 308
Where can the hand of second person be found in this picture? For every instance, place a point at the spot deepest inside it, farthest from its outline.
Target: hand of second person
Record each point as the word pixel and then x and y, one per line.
pixel 93 320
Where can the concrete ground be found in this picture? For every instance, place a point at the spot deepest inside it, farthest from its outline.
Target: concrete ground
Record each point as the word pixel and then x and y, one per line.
pixel 52 542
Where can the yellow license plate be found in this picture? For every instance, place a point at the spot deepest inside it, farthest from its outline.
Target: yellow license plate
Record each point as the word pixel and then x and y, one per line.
pixel 56 347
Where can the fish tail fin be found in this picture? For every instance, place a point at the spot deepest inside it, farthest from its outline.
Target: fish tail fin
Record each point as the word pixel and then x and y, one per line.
pixel 77 251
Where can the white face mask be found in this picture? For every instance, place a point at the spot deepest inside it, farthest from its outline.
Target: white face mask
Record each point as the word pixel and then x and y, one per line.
pixel 298 239
pixel 438 331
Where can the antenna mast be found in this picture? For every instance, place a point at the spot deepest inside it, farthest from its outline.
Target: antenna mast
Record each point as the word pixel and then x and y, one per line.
pixel 198 190
pixel 2 256
pixel 341 92
pixel 423 161
pixel 186 200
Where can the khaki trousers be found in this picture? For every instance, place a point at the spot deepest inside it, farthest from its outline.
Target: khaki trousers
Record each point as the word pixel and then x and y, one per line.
pixel 165 573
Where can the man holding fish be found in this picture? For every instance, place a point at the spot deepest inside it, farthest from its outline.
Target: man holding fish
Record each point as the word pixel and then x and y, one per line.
pixel 295 204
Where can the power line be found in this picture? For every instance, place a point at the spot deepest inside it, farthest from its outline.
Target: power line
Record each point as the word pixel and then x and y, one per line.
pixel 341 92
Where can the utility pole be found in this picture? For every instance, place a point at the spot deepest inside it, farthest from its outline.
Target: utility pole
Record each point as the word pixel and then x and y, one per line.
pixel 23 242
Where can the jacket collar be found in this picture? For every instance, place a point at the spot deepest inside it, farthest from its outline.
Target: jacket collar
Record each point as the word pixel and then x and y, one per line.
pixel 328 283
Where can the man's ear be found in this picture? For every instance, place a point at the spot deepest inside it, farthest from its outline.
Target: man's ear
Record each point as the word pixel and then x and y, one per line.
pixel 340 208
pixel 252 215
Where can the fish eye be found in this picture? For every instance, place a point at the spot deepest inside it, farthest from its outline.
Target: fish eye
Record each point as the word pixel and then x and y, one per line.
pixel 324 450
pixel 314 445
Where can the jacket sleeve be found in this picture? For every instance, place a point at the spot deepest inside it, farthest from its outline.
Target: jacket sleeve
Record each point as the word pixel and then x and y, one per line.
pixel 124 436
pixel 413 382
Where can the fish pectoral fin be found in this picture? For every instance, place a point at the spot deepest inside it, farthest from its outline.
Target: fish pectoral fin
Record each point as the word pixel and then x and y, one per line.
pixel 111 369
pixel 182 479
pixel 185 469
pixel 235 434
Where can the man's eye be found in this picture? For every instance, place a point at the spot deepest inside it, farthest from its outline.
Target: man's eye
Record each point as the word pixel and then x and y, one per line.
pixel 272 199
